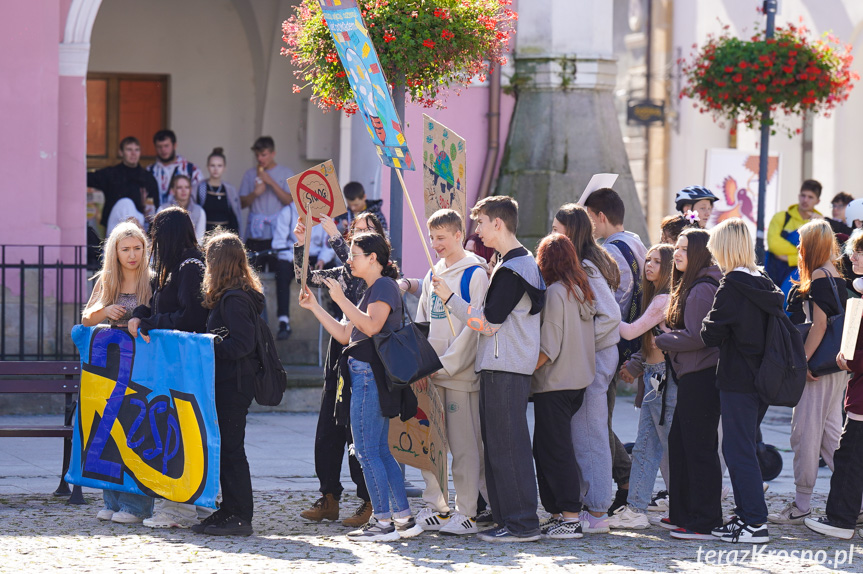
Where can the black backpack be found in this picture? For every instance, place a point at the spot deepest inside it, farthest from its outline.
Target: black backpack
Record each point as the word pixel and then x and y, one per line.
pixel 782 374
pixel 627 348
pixel 271 380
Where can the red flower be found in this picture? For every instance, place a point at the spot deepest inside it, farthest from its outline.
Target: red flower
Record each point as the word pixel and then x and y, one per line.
pixel 729 69
pixel 388 37
pixel 447 35
pixel 428 43
pixel 761 88
pixel 743 65
pixel 738 78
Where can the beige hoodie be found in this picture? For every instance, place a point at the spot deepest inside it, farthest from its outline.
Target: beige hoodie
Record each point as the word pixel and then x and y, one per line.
pixel 457 353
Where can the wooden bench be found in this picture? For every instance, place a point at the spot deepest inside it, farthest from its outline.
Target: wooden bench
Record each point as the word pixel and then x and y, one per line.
pixel 50 377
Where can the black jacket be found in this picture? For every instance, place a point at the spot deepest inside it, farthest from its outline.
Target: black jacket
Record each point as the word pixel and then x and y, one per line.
pixel 737 324
pixel 234 319
pixel 179 304
pixel 119 181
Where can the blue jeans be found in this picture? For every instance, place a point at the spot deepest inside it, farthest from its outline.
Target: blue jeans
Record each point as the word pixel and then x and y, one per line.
pixel 137 504
pixel 651 444
pixel 370 429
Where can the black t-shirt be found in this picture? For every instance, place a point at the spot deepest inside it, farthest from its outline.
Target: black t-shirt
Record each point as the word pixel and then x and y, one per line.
pixel 505 291
pixel 387 290
pixel 821 294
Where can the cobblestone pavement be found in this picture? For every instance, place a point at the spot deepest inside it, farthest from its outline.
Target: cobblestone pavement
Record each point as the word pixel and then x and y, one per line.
pixel 42 533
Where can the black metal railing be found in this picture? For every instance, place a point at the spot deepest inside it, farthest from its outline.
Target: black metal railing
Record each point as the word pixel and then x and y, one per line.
pixel 43 289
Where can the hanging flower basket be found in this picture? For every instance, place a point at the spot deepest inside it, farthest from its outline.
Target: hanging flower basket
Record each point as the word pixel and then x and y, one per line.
pixel 736 80
pixel 432 44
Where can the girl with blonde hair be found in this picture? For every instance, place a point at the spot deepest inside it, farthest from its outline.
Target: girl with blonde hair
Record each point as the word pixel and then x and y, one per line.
pixel 737 324
pixel 233 293
pixel 816 421
pixel 122 284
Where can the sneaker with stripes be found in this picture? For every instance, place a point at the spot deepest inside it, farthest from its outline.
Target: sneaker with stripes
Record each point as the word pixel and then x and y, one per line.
pixel 430 519
pixel 458 525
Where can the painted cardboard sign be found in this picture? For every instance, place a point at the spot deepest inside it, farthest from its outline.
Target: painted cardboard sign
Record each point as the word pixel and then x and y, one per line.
pixel 421 441
pixel 146 421
pixel 444 168
pixel 851 329
pixel 317 190
pixel 366 76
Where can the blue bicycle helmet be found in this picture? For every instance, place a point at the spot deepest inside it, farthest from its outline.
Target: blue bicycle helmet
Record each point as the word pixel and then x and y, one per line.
pixel 692 194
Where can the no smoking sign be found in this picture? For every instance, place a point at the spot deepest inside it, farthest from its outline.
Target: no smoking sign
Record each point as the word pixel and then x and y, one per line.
pixel 317 190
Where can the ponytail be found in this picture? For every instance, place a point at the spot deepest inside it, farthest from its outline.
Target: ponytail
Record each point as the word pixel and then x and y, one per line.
pixel 391 270
pixel 371 242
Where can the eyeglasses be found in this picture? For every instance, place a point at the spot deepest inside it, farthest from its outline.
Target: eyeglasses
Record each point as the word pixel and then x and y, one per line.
pixel 355 255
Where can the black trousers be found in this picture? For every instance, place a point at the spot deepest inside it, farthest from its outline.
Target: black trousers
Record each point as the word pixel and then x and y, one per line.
pixel 846 484
pixel 284 278
pixel 232 406
pixel 742 414
pixel 556 470
pixel 621 462
pixel 330 441
pixel 693 457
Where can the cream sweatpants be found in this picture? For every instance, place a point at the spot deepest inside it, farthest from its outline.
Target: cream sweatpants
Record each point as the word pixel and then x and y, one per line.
pixel 465 445
pixel 816 424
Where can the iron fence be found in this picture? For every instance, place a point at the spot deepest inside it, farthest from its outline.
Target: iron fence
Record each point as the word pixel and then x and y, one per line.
pixel 43 289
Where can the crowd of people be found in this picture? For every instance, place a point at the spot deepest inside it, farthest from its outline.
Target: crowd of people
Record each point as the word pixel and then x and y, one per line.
pixel 685 319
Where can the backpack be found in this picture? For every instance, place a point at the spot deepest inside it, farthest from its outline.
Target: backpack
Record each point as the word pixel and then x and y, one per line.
pixel 782 374
pixel 624 347
pixel 271 380
pixel 464 286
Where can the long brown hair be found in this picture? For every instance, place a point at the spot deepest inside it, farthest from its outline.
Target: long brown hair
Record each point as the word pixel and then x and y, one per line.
pixel 558 262
pixel 651 289
pixel 698 258
pixel 817 248
pixel 227 267
pixel 579 229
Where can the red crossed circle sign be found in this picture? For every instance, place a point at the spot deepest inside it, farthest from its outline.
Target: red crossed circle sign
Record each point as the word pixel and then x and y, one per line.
pixel 314 189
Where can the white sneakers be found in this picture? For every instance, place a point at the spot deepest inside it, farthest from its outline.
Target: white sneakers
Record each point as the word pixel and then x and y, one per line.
pixel 458 524
pixel 430 519
pixel 120 517
pixel 627 517
pixel 789 515
pixel 165 520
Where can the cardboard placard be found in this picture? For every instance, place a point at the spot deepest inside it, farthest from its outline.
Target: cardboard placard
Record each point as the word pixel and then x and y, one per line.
pixel 319 188
pixel 851 330
pixel 366 76
pixel 598 181
pixel 444 168
pixel 421 441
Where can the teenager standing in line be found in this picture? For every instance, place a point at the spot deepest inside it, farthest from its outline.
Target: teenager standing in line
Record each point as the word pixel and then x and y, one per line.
pixel 177 304
pixel 233 293
pixel 508 348
pixel 816 421
pixel 121 285
pixel 695 508
pixel 220 199
pixel 843 513
pixel 737 324
pixel 566 366
pixel 372 402
pixel 457 383
pixel 331 437
pixel 589 426
pixel 657 391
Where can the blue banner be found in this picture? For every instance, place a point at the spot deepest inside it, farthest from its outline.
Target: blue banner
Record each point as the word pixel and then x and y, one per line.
pixel 371 90
pixel 146 421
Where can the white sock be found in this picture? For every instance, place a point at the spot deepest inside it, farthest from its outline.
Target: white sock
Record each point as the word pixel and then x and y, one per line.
pixel 402 520
pixel 285 319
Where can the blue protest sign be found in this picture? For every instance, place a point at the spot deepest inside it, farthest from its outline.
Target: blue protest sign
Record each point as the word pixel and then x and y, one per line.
pixel 146 421
pixel 366 76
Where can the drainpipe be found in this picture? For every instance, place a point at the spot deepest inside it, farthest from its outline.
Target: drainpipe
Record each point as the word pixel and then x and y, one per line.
pixel 493 145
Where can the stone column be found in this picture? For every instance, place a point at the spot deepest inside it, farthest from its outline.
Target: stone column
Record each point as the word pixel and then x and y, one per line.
pixel 565 127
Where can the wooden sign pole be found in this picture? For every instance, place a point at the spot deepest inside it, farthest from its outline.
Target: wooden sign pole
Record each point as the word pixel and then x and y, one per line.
pixel 308 239
pixel 422 239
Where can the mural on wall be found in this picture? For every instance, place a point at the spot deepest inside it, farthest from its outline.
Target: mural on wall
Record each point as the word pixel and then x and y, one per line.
pixel 732 175
pixel 146 421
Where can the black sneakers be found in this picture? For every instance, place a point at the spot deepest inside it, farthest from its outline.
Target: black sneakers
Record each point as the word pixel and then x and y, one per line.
pixel 823 525
pixel 212 519
pixel 284 331
pixel 230 526
pixel 738 531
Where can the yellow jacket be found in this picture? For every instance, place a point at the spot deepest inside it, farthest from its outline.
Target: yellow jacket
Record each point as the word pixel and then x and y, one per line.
pixel 778 245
